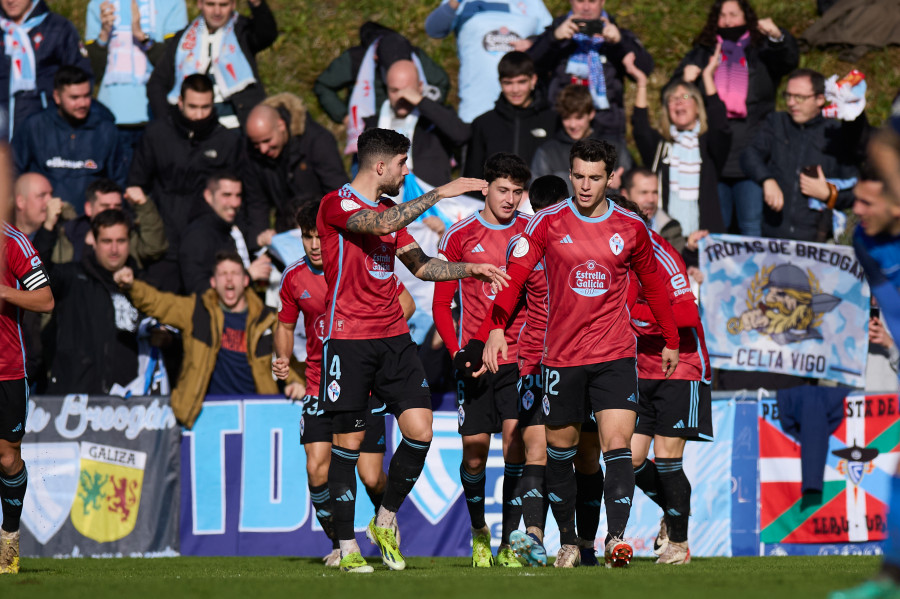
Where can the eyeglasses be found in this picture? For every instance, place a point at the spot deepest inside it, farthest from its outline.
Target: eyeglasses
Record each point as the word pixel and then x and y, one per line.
pixel 675 98
pixel 796 97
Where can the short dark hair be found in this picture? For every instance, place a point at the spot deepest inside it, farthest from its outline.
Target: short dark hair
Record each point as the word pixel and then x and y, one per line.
pixel 380 144
pixel 98 186
pixel 109 218
pixel 68 75
pixel 215 179
pixel 506 165
pixel 306 216
pixel 868 172
pixel 628 177
pixel 631 207
pixel 197 82
pixel 574 100
pixel 815 77
pixel 514 64
pixel 594 150
pixel 228 256
pixel 546 191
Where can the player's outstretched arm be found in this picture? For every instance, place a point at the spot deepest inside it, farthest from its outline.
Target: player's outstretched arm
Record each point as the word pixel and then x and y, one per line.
pixel 434 269
pixel 38 300
pixel 395 218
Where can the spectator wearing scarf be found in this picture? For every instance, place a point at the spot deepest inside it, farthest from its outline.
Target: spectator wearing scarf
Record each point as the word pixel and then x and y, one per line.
pixel 756 55
pixel 123 53
pixel 224 48
pixel 585 47
pixel 688 151
pixel 37 42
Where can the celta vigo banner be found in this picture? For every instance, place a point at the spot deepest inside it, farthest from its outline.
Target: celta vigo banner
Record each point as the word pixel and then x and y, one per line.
pixel 790 307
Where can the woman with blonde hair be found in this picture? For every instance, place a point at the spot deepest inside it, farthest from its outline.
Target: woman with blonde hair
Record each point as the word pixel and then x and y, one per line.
pixel 689 150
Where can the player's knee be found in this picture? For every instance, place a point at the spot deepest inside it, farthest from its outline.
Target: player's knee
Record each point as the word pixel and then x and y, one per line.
pixel 474 463
pixel 10 461
pixel 317 470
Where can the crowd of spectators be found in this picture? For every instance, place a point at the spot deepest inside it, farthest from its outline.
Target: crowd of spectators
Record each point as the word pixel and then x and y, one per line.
pixel 155 145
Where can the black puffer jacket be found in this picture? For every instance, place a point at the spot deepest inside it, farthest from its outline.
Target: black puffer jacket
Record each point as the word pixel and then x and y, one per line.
pixel 172 163
pixel 507 128
pixel 203 238
pixel 779 151
pixel 91 351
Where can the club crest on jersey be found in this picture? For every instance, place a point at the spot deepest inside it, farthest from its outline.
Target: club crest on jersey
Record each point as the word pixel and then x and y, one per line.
pixel 349 205
pixel 616 244
pixel 527 400
pixel 380 262
pixel 334 391
pixel 589 279
pixel 488 290
pixel 546 405
pixel 319 327
pixel 521 248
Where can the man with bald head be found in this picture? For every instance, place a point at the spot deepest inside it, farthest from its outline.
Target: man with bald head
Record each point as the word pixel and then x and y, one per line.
pixel 33 193
pixel 293 160
pixel 435 130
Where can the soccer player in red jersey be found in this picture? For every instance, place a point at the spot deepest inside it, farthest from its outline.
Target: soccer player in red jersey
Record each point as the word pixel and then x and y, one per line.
pixel 544 191
pixel 590 247
pixel 367 346
pixel 673 410
pixel 303 291
pixel 488 404
pixel 24 285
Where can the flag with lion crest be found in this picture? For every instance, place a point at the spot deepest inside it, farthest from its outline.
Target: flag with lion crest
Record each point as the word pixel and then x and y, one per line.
pixel 790 307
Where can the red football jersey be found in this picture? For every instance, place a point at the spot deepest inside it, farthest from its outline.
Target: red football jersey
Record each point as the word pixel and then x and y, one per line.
pixel 303 289
pixel 537 306
pixel 359 269
pixel 22 269
pixel 588 262
pixel 473 239
pixel 693 361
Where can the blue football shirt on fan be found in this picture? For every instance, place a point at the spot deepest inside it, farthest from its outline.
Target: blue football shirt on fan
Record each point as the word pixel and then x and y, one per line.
pixel 232 374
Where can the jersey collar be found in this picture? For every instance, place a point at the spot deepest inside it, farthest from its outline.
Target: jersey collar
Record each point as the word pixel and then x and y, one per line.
pixel 360 196
pixel 488 225
pixel 591 219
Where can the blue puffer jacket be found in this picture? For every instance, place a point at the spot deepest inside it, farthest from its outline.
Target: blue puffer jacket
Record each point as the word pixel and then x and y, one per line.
pixel 56 43
pixel 70 157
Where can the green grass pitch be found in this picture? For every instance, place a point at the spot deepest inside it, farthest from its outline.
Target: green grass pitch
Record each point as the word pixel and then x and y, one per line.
pixel 431 578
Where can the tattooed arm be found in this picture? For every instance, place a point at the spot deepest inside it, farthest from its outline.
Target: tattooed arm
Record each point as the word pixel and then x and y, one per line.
pixel 395 218
pixel 435 269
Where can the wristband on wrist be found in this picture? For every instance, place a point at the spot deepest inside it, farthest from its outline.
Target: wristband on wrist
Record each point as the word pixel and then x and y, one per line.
pixel 833 194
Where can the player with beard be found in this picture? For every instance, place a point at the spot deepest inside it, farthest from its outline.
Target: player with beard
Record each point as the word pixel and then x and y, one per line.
pixel 488 404
pixel 590 247
pixel 368 348
pixel 303 291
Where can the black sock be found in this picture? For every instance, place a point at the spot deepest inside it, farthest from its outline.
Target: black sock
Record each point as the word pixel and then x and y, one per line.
pixel 677 490
pixel 375 497
pixel 12 496
pixel 321 500
pixel 561 490
pixel 619 487
pixel 534 501
pixel 404 471
pixel 342 487
pixel 473 489
pixel 512 500
pixel 646 477
pixel 588 501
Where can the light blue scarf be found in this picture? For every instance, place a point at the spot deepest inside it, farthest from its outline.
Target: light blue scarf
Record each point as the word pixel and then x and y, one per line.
pixel 586 63
pixel 231 71
pixel 127 63
pixel 22 64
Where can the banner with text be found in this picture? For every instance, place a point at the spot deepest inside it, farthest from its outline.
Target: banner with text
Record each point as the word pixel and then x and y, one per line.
pixel 782 306
pixel 244 489
pixel 862 457
pixel 102 477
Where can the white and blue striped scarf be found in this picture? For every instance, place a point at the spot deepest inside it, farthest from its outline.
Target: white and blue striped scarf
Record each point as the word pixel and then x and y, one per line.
pixel 684 178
